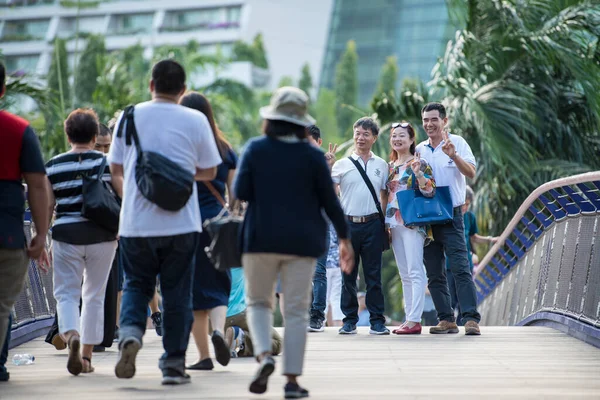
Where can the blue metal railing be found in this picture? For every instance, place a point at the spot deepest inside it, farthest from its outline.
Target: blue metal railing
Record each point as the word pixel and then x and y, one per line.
pixel 547 205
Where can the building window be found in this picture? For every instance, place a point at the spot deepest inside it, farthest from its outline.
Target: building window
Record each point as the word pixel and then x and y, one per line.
pixel 25 30
pixel 21 63
pixel 68 26
pixel 129 24
pixel 234 14
pixel 203 19
pixel 25 3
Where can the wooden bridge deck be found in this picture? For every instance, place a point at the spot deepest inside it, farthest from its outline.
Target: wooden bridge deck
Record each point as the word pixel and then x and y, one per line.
pixel 505 362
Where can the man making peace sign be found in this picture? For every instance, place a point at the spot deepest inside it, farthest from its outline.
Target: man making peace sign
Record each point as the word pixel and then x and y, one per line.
pixel 451 159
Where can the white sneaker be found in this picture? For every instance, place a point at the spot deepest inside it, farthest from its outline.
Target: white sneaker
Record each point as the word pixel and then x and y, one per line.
pixel 237 340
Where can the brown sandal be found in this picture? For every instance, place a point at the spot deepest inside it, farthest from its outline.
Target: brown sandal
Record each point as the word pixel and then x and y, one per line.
pixel 87 367
pixel 74 364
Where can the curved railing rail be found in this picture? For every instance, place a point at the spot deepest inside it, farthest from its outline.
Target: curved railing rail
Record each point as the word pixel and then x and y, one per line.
pixel 35 307
pixel 548 258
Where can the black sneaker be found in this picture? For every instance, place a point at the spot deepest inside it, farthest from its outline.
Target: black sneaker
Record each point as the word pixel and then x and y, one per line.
pixel 315 325
pixel 157 322
pixel 4 375
pixel 348 329
pixel 222 353
pixel 259 383
pixel 174 377
pixel 294 391
pixel 99 349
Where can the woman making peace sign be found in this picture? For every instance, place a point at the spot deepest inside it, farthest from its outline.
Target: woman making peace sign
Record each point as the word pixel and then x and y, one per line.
pixel 407 243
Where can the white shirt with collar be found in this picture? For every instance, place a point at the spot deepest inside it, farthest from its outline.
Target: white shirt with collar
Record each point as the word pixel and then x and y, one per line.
pixel 445 171
pixel 355 196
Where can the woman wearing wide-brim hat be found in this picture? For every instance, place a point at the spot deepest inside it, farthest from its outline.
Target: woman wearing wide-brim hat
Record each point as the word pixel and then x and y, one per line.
pixel 287 184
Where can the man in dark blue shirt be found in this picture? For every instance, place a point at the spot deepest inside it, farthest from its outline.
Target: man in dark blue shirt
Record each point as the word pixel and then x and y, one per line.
pixel 20 157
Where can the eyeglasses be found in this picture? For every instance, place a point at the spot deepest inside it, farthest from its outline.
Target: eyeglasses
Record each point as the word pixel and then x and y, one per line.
pixel 400 125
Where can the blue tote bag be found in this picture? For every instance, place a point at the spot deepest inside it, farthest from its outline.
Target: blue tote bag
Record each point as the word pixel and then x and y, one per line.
pixel 418 210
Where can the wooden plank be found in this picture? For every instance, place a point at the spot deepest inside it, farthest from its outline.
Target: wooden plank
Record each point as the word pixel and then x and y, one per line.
pixel 505 362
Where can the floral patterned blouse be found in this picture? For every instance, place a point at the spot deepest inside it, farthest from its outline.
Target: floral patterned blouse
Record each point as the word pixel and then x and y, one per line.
pixel 401 178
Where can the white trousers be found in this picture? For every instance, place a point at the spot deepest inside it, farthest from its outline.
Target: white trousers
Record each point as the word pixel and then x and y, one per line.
pixel 296 273
pixel 407 245
pixel 334 294
pixel 72 265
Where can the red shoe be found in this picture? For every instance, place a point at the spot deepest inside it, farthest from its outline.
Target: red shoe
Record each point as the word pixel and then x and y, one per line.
pixel 405 330
pixel 399 328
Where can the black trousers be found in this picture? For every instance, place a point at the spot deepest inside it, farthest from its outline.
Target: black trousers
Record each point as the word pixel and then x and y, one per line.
pixel 110 308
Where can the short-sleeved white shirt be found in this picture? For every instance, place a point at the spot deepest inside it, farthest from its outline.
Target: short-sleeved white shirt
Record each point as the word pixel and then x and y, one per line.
pixel 445 171
pixel 184 136
pixel 355 196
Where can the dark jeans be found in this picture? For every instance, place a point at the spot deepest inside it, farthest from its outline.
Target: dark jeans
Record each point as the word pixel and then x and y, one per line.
pixel 172 259
pixel 4 352
pixel 317 310
pixel 449 241
pixel 430 318
pixel 454 296
pixel 366 241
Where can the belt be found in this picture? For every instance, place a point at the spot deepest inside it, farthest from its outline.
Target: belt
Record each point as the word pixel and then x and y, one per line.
pixel 362 220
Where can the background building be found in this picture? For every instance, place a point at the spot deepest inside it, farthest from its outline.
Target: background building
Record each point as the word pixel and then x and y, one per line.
pixel 294 31
pixel 415 31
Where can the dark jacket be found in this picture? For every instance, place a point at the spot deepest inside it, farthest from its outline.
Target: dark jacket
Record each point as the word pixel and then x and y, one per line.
pixel 287 185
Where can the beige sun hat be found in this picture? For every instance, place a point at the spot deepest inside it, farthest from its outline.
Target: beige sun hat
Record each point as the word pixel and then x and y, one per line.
pixel 288 104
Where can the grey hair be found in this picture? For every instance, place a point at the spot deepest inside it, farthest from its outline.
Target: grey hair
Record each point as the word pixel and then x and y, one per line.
pixel 470 194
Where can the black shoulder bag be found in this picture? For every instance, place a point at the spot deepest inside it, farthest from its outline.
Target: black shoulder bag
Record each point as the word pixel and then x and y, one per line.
pixel 224 231
pixel 159 179
pixel 386 238
pixel 100 203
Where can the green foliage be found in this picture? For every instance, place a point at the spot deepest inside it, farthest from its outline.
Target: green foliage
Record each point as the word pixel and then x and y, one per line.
pixel 189 57
pixel 389 76
pixel 305 83
pixel 326 117
pixel 261 54
pixel 406 106
pixel 58 85
pixel 255 52
pixel 285 81
pixel 79 4
pixel 521 85
pixel 16 88
pixel 124 80
pixel 89 68
pixel 236 109
pixel 58 75
pixel 346 88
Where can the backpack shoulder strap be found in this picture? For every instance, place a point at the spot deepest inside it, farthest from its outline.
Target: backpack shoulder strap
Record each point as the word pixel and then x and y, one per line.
pixel 127 124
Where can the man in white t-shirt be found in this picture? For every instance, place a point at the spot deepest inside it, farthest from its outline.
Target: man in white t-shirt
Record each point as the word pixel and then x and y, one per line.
pixel 366 227
pixel 451 160
pixel 154 241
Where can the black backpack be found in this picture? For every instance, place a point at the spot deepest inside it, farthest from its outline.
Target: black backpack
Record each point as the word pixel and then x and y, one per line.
pixel 159 179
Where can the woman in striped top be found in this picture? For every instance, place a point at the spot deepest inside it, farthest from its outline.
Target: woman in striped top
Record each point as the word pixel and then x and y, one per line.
pixel 82 250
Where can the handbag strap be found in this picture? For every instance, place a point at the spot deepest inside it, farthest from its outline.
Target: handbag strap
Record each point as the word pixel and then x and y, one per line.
pixel 215 193
pixel 128 124
pixel 102 168
pixel 363 173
